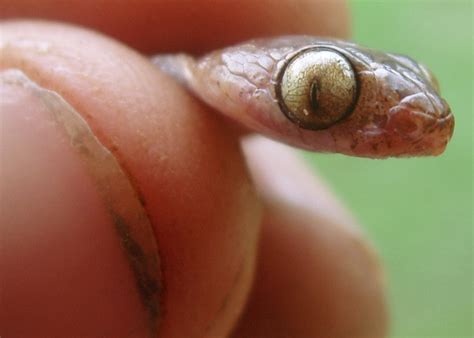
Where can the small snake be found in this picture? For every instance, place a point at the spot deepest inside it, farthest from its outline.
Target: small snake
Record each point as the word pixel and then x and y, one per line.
pixel 322 95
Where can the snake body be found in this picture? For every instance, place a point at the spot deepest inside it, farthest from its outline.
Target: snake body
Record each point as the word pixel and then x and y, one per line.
pixel 322 95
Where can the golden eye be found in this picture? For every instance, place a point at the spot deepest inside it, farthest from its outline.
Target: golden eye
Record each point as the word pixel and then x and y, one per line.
pixel 317 88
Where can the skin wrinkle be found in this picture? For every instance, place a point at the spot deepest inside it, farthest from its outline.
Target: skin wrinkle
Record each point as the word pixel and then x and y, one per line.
pixel 227 298
pixel 118 192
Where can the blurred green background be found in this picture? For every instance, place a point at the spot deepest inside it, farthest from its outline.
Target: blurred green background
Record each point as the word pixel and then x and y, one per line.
pixel 418 211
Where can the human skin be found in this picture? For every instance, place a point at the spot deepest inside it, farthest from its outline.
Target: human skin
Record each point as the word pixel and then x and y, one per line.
pixel 61 259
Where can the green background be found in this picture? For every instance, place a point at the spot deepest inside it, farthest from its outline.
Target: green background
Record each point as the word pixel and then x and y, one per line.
pixel 418 211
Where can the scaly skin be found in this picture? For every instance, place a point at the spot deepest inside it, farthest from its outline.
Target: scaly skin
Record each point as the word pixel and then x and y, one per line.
pixel 398 112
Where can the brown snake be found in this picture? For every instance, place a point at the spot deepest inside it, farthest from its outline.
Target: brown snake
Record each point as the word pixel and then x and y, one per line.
pixel 322 95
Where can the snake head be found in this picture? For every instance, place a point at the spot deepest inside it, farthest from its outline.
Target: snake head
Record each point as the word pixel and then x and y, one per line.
pixel 399 112
pixel 322 95
pixel 361 102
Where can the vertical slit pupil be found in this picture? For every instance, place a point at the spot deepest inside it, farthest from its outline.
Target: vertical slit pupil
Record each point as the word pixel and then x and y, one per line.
pixel 313 95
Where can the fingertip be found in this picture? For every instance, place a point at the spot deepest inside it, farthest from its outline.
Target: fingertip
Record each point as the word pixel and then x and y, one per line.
pixel 317 275
pixel 184 165
pixel 60 257
pixel 294 182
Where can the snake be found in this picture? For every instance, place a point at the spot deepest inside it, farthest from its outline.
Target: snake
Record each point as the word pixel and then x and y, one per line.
pixel 323 95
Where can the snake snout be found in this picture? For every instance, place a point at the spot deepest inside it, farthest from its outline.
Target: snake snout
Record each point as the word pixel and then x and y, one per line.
pixel 423 122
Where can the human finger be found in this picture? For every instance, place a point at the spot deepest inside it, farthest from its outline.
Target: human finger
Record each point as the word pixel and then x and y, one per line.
pixel 317 274
pixel 189 25
pixel 87 122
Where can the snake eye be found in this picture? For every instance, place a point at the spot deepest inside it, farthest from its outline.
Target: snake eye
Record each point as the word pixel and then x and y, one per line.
pixel 317 88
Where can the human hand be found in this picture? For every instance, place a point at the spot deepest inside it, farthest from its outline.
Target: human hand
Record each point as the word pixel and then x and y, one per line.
pixel 63 264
